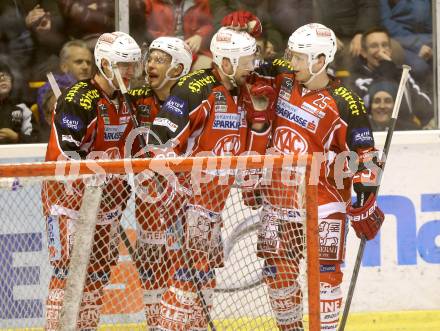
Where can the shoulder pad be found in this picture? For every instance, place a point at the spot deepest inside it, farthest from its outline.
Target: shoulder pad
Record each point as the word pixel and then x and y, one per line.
pixel 274 68
pixel 347 99
pixel 144 91
pixel 83 94
pixel 282 64
pixel 197 82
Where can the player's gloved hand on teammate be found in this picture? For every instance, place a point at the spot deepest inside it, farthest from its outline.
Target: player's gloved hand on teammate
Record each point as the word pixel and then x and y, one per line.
pixel 367 219
pixel 260 103
pixel 243 20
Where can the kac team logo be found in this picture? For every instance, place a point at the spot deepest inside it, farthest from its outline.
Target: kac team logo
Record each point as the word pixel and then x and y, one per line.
pixel 287 140
pixel 228 145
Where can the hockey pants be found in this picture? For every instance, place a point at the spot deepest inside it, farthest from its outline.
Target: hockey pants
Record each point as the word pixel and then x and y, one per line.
pixel 281 244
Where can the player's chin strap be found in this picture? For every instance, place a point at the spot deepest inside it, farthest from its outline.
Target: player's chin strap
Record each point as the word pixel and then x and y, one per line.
pixel 231 77
pixel 168 78
pixel 313 75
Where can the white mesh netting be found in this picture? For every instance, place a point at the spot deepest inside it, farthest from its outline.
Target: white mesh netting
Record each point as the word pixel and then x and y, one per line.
pixel 192 261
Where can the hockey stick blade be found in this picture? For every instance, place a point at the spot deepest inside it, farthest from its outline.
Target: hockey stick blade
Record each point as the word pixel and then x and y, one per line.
pixel 361 249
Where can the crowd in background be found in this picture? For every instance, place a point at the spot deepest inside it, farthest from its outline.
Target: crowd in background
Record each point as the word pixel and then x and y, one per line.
pixel 375 37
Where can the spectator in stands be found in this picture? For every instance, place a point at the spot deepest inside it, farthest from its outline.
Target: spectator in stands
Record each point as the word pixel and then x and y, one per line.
pixel 88 19
pixel 271 38
pixel 375 63
pixel 349 19
pixel 15 39
pixel 75 64
pixel 76 59
pixel 382 94
pixel 410 23
pixel 46 24
pixel 190 21
pixel 16 119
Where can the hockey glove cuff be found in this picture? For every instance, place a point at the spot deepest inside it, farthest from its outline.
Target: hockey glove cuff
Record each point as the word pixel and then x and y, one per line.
pixel 366 220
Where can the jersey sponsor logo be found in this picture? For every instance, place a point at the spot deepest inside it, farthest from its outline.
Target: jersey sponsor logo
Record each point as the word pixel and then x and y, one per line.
pixel 227 121
pixel 355 104
pixel 220 102
pixel 287 140
pixel 175 105
pixel 298 116
pixel 183 79
pixel 71 122
pixel 312 110
pixel 196 85
pixel 124 119
pixel 362 136
pixel 87 98
pixel 330 232
pixel 327 268
pixel 227 145
pixel 114 132
pixel 282 63
pixel 286 89
pixel 69 139
pixel 74 90
pixel 160 121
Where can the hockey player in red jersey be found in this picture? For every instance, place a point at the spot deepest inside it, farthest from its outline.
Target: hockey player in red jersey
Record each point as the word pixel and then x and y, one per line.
pixel 89 120
pixel 167 60
pixel 205 115
pixel 315 113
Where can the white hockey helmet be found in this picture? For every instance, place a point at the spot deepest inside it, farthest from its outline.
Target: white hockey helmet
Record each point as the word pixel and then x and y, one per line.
pixel 116 47
pixel 178 50
pixel 314 39
pixel 231 44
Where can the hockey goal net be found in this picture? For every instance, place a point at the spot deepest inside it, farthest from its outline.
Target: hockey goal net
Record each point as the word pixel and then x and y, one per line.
pixel 109 244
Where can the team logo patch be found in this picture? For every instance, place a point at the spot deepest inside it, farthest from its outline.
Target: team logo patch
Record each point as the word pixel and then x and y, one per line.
pixel 287 140
pixel 330 232
pixel 226 121
pixel 71 122
pixel 114 132
pixel 175 105
pixel 227 145
pixel 298 116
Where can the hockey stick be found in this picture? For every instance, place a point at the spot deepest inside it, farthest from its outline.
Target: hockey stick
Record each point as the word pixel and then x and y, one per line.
pixel 143 145
pixel 360 254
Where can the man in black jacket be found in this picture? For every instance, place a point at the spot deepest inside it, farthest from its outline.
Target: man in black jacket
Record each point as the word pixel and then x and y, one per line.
pixel 375 63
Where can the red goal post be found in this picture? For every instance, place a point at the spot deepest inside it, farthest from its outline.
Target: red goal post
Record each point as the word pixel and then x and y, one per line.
pixel 19 175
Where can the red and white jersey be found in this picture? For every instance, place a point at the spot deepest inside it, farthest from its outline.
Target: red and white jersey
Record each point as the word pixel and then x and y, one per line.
pixel 201 117
pixel 329 121
pixel 86 120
